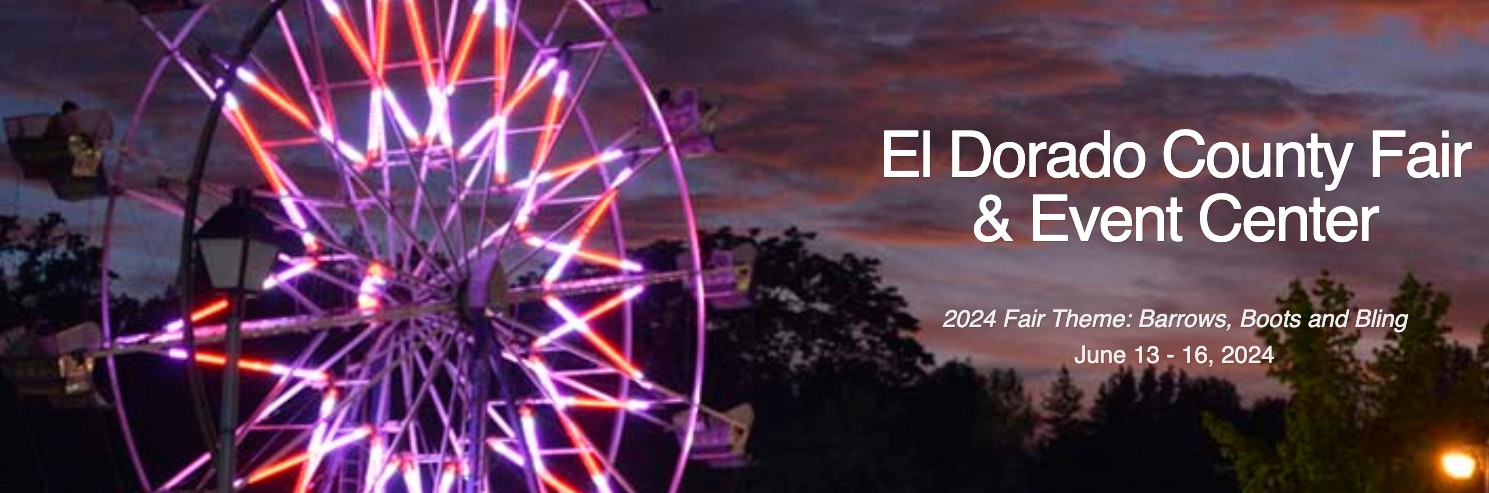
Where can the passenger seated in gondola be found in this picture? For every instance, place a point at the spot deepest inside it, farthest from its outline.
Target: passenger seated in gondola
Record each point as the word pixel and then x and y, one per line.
pixel 681 112
pixel 86 156
pixel 64 123
pixel 693 122
pixel 705 140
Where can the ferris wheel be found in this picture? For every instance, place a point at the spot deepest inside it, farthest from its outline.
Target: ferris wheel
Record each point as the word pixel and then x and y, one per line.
pixel 452 187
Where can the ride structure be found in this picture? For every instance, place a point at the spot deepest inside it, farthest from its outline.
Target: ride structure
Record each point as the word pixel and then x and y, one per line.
pixel 463 179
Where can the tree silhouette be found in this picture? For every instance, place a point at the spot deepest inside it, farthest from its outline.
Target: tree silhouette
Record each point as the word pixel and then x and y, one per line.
pixel 1062 406
pixel 1320 449
pixel 848 400
pixel 49 280
pixel 48 274
pixel 1363 426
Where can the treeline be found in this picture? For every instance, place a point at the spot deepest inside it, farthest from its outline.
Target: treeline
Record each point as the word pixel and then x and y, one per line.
pixel 1358 419
pixel 848 401
pixel 961 430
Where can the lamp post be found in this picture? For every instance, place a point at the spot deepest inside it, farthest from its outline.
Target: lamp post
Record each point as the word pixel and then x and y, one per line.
pixel 188 220
pixel 1464 462
pixel 238 246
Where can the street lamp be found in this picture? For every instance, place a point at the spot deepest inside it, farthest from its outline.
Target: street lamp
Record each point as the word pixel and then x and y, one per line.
pixel 1463 463
pixel 238 246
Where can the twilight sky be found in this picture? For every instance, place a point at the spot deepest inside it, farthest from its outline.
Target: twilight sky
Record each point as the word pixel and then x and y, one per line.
pixel 809 87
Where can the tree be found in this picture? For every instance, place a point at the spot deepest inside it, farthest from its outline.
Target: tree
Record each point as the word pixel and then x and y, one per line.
pixel 1062 406
pixel 815 312
pixel 48 274
pixel 956 419
pixel 49 280
pixel 1014 422
pixel 1145 433
pixel 843 430
pixel 1426 391
pixel 811 314
pixel 1320 449
pixel 825 354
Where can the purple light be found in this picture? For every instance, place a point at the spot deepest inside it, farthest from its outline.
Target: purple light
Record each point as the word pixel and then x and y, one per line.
pixel 404 124
pixel 376 466
pixel 446 479
pixel 530 437
pixel 564 257
pixel 411 480
pixel 501 148
pixel 622 264
pixel 345 149
pixel 573 322
pixel 546 381
pixel 600 484
pixel 439 116
pixel 250 364
pixel 371 287
pixel 375 124
pixel 481 134
pixel 561 86
pixel 547 67
pixel 317 447
pixel 500 19
pixel 289 274
pixel 331 8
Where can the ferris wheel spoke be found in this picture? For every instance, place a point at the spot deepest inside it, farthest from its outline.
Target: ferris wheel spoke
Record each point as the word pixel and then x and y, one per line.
pixel 282 454
pixel 467 42
pixel 304 374
pixel 448 443
pixel 320 132
pixel 348 34
pixel 601 471
pixel 579 226
pixel 576 436
pixel 438 125
pixel 517 458
pixel 422 204
pixel 343 253
pixel 557 120
pixel 568 172
pixel 547 39
pixel 379 31
pixel 256 329
pixel 277 398
pixel 415 394
pixel 302 73
pixel 340 409
pixel 442 409
pixel 549 382
pixel 382 203
pixel 279 181
pixel 282 281
pixel 640 161
pixel 601 366
pixel 609 360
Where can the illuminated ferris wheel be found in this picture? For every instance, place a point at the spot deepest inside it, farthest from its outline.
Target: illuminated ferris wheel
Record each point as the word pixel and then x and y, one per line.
pixel 449 304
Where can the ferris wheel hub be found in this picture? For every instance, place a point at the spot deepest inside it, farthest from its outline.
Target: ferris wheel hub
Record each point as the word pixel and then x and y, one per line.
pixel 485 293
